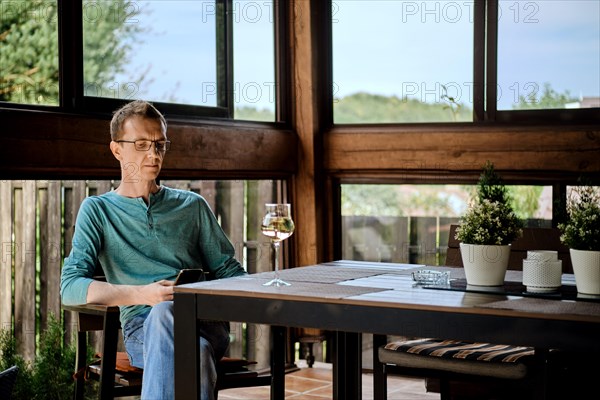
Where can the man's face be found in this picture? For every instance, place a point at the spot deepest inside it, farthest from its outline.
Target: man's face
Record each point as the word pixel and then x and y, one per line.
pixel 139 165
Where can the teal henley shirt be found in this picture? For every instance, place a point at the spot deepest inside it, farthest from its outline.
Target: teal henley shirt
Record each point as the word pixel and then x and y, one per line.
pixel 138 243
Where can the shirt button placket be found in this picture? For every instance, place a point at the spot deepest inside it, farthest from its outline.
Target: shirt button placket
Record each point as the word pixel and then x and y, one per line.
pixel 150 220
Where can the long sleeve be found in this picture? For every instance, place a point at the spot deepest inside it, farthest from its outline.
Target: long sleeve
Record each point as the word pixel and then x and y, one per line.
pixel 79 266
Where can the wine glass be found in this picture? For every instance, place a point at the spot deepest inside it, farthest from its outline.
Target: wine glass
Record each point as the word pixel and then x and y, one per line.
pixel 277 225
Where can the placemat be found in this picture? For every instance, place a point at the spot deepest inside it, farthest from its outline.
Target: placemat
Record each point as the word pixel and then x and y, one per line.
pixel 321 274
pixel 254 284
pixel 382 281
pixel 566 292
pixel 547 307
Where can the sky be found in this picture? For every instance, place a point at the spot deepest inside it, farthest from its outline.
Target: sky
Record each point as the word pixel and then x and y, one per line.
pixel 180 50
pixel 388 47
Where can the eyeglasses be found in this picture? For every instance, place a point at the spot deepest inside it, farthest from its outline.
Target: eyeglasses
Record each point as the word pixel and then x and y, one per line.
pixel 143 144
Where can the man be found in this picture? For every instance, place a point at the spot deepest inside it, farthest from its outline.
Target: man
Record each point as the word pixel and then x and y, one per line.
pixel 142 235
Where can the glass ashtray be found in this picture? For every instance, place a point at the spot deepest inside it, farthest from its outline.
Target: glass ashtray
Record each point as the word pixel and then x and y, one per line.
pixel 430 277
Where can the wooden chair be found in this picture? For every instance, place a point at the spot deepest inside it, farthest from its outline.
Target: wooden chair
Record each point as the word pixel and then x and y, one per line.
pixel 117 378
pixel 532 239
pixel 308 337
pixel 515 373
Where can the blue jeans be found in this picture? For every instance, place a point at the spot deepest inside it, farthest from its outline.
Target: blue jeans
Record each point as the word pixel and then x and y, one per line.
pixel 149 344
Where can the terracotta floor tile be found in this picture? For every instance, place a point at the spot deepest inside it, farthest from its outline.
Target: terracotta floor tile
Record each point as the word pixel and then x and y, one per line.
pixel 300 384
pixel 326 392
pixel 308 396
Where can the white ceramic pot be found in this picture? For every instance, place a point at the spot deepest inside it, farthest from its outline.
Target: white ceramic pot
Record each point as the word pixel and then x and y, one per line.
pixel 485 265
pixel 586 266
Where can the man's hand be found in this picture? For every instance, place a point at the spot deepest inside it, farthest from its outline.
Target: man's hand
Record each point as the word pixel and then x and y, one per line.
pixel 156 292
pixel 129 295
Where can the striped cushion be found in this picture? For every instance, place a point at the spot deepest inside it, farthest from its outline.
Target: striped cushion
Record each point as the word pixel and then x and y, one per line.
pixel 464 350
pixel 484 359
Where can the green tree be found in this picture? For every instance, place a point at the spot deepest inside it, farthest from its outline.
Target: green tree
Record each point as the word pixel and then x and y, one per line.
pixel 372 108
pixel 29 52
pixel 397 200
pixel 370 200
pixel 111 31
pixel 525 200
pixel 29 47
pixel 547 99
pixel 254 114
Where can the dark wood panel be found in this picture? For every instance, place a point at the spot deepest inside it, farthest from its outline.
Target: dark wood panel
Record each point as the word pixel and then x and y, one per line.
pixel 37 144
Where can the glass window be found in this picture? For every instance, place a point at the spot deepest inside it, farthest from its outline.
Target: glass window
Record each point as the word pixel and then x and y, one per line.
pixel 158 50
pixel 410 223
pixel 402 61
pixel 254 60
pixel 29 52
pixel 548 54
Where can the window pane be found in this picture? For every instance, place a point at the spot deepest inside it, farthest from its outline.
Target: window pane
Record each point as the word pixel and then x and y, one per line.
pixel 402 61
pixel 254 60
pixel 157 50
pixel 410 223
pixel 548 54
pixel 29 52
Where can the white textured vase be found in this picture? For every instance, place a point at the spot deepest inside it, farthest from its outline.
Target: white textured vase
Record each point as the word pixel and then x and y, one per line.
pixel 542 271
pixel 586 266
pixel 485 265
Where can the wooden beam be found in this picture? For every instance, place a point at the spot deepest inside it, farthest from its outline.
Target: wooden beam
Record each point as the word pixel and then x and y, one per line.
pixel 41 145
pixel 567 151
pixel 308 111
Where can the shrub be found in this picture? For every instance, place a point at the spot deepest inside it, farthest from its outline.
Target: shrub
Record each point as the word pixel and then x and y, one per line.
pixel 490 218
pixel 50 375
pixel 581 231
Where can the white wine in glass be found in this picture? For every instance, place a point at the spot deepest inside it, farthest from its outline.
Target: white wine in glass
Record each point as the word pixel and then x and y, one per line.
pixel 277 225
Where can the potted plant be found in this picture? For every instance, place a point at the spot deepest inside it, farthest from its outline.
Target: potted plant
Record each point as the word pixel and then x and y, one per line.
pixel 486 231
pixel 581 233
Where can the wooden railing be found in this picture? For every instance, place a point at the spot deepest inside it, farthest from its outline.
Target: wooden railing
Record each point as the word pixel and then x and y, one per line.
pixel 417 240
pixel 37 220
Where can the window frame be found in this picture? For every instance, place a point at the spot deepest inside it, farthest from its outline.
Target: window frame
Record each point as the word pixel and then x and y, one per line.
pixel 485 77
pixel 584 115
pixel 224 59
pixel 71 89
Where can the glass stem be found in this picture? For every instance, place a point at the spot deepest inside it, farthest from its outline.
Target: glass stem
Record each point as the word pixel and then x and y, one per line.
pixel 276 256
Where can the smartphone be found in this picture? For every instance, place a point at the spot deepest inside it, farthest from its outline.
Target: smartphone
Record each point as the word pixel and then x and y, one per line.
pixel 189 276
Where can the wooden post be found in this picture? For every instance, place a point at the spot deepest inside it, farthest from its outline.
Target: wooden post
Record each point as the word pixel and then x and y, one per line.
pixel 305 123
pixel 230 210
pixel 25 258
pixel 6 254
pixel 75 192
pixel 50 251
pixel 258 256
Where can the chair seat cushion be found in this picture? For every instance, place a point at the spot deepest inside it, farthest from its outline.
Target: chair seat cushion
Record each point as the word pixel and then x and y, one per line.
pixel 484 359
pixel 128 375
pixel 125 373
pixel 122 364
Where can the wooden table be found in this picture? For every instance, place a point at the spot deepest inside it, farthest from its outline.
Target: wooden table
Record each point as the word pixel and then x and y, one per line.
pixel 351 297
